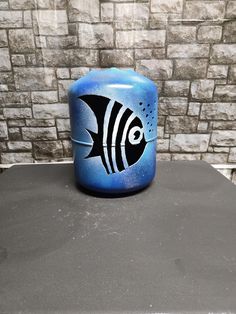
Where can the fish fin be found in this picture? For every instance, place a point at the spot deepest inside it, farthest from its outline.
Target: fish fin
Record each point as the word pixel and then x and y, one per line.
pixel 97 145
pixel 98 104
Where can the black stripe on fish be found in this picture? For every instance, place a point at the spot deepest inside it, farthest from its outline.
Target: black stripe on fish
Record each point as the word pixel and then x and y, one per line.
pixel 134 142
pixel 115 110
pixel 123 120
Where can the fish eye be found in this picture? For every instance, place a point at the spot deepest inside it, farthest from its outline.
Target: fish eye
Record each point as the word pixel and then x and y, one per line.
pixel 135 135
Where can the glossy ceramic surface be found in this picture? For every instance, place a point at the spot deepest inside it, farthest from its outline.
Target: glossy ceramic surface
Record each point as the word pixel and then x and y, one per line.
pixel 114 129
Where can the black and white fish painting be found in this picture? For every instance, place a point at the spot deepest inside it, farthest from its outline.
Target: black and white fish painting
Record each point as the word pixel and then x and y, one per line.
pixel 120 140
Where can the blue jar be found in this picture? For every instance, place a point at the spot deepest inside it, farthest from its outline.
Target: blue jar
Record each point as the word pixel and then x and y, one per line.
pixel 113 117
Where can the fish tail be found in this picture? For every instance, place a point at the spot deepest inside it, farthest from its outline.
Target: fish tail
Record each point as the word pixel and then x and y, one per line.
pixel 97 149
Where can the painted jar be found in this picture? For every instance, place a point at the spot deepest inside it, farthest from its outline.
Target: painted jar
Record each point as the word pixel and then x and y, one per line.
pixel 113 117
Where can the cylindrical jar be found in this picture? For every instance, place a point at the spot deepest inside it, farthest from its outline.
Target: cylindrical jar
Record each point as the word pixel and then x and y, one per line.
pixel 113 130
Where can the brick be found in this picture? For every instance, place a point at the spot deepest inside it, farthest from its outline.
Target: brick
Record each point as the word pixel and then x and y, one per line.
pixel 163 145
pixel 35 78
pixel 194 108
pixel 218 111
pixel 18 60
pixel 186 157
pixel 11 19
pixel 181 34
pixel 3 130
pixel 64 135
pixel 189 142
pixel 73 28
pixel 232 74
pixel 155 53
pixel 5 64
pixel 227 93
pixel 4 5
pixel 67 148
pixel 177 88
pixel 202 127
pixel 63 125
pixel 116 57
pixel 215 158
pixel 17 113
pixel 202 89
pixel 204 10
pixel 60 4
pixel 19 146
pixel 140 39
pixel 172 105
pixel 16 122
pixel 27 18
pixel 3 38
pixel 22 4
pixel 221 149
pixel 224 125
pixel 83 11
pixel 76 73
pixel 63 42
pixel 50 22
pixel 231 9
pixel 209 34
pixel 190 68
pixel 63 86
pixel 232 155
pixel 40 123
pixel 131 15
pixel 38 133
pixel 107 12
pixel 163 156
pixel 63 73
pixel 45 4
pixel 217 71
pixel 70 57
pixel 30 59
pixel 44 97
pixel 14 134
pixel 3 147
pixel 188 50
pixel 158 20
pixel 167 6
pixel 15 98
pixel 160 131
pixel 21 40
pixel 11 158
pixel 155 69
pixel 51 149
pixel 229 32
pixel 40 41
pixel 49 111
pixel 224 138
pixel 7 78
pixel 223 53
pixel 161 119
pixel 181 124
pixel 3 88
pixel 95 36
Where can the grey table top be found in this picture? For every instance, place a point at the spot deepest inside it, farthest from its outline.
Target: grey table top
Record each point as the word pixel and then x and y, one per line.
pixel 169 248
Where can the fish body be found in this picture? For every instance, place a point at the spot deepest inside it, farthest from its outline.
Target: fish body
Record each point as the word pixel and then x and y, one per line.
pixel 120 140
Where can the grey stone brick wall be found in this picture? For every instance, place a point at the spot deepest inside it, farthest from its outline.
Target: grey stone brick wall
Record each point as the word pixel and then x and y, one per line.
pixel 188 47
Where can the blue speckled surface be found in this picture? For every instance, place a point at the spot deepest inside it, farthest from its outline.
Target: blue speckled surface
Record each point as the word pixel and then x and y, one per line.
pixel 133 91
